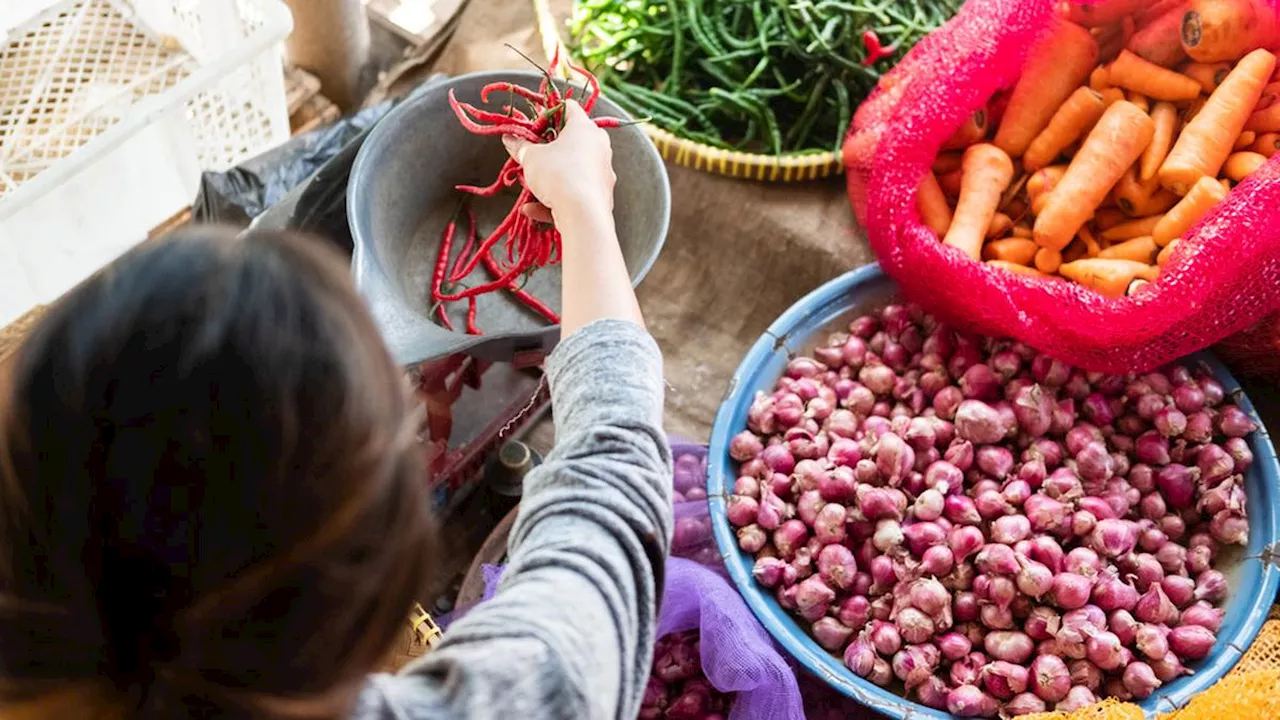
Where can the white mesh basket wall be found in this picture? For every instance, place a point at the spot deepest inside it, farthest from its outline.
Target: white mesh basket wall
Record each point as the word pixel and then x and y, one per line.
pixel 109 111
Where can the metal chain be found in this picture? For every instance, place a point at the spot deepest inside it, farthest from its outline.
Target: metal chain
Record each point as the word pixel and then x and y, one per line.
pixel 533 400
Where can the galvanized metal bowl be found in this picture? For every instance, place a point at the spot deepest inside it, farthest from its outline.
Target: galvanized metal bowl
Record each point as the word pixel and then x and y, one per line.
pixel 1253 580
pixel 402 196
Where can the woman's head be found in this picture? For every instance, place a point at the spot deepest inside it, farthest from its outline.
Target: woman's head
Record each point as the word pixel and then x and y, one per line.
pixel 210 494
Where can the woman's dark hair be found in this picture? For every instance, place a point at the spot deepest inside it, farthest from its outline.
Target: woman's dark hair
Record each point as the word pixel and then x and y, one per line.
pixel 211 496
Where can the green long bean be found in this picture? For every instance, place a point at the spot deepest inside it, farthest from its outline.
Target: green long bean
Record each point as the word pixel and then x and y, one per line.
pixel 771 76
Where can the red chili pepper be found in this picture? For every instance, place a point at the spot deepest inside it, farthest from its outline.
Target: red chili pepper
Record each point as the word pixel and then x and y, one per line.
pixel 446 242
pixel 466 248
pixel 444 317
pixel 512 88
pixel 875 51
pixel 608 122
pixel 471 317
pixel 497 185
pixel 497 234
pixel 521 131
pixel 592 82
pixel 493 117
pixel 530 301
pixel 501 282
pixel 516 112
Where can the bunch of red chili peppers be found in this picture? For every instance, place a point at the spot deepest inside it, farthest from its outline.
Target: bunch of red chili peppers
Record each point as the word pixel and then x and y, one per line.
pixel 529 244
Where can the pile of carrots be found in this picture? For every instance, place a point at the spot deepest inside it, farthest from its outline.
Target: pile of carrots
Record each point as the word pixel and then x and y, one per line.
pixel 1130 123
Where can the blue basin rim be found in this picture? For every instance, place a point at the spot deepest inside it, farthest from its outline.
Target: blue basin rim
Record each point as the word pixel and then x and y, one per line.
pixel 1252 593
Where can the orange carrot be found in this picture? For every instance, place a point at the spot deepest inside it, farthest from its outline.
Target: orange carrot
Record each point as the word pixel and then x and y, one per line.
pixel 1265 121
pixel 1016 269
pixel 1266 114
pixel 932 203
pixel 1141 101
pixel 1016 208
pixel 1103 13
pixel 1131 193
pixel 1112 39
pixel 1145 15
pixel 1107 276
pixel 1071 122
pixel 1218 30
pixel 1191 110
pixel 1158 42
pixel 1001 225
pixel 1266 145
pixel 973 130
pixel 1074 251
pixel 947 162
pixel 1209 75
pixel 1111 96
pixel 1109 218
pixel 1091 246
pixel 987 172
pixel 950 183
pixel 1099 79
pixel 1115 143
pixel 1165 116
pixel 1206 142
pixel 1131 229
pixel 1133 73
pixel 1047 260
pixel 1245 140
pixel 1159 203
pixel 1166 254
pixel 1058 65
pixel 1044 180
pixel 1243 164
pixel 1142 249
pixel 1203 196
pixel 1014 250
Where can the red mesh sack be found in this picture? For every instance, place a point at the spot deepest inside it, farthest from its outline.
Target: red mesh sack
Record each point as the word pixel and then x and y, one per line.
pixel 1223 277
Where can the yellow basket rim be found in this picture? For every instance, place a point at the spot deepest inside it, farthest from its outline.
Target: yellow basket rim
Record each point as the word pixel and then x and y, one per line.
pixel 735 163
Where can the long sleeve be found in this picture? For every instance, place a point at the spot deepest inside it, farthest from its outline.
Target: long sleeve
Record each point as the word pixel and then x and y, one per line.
pixel 570 632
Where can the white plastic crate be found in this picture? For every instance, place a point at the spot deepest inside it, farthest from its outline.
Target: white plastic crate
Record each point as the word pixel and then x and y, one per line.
pixel 109 111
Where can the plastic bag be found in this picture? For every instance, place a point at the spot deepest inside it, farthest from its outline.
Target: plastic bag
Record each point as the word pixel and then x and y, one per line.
pixel 238 195
pixel 1224 277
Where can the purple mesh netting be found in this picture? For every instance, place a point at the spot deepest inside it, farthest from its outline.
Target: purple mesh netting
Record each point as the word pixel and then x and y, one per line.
pixel 492 575
pixel 737 654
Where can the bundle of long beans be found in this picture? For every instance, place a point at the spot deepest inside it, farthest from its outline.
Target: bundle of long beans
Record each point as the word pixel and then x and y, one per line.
pixel 766 76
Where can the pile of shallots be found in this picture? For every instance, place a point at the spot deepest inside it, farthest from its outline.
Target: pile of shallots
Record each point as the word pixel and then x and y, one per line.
pixel 678 689
pixel 1000 532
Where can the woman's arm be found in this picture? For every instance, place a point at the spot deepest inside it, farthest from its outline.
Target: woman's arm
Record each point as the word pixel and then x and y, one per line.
pixel 570 633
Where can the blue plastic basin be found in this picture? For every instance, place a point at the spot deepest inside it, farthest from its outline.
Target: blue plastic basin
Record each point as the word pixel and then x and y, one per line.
pixel 1253 581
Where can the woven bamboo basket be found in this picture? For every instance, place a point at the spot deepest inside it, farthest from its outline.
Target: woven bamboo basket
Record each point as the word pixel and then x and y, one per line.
pixel 698 156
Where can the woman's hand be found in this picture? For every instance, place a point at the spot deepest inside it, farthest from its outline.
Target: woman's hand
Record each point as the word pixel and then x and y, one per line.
pixel 572 177
pixel 571 174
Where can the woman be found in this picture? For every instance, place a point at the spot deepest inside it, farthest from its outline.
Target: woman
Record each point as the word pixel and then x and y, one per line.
pixel 212 504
